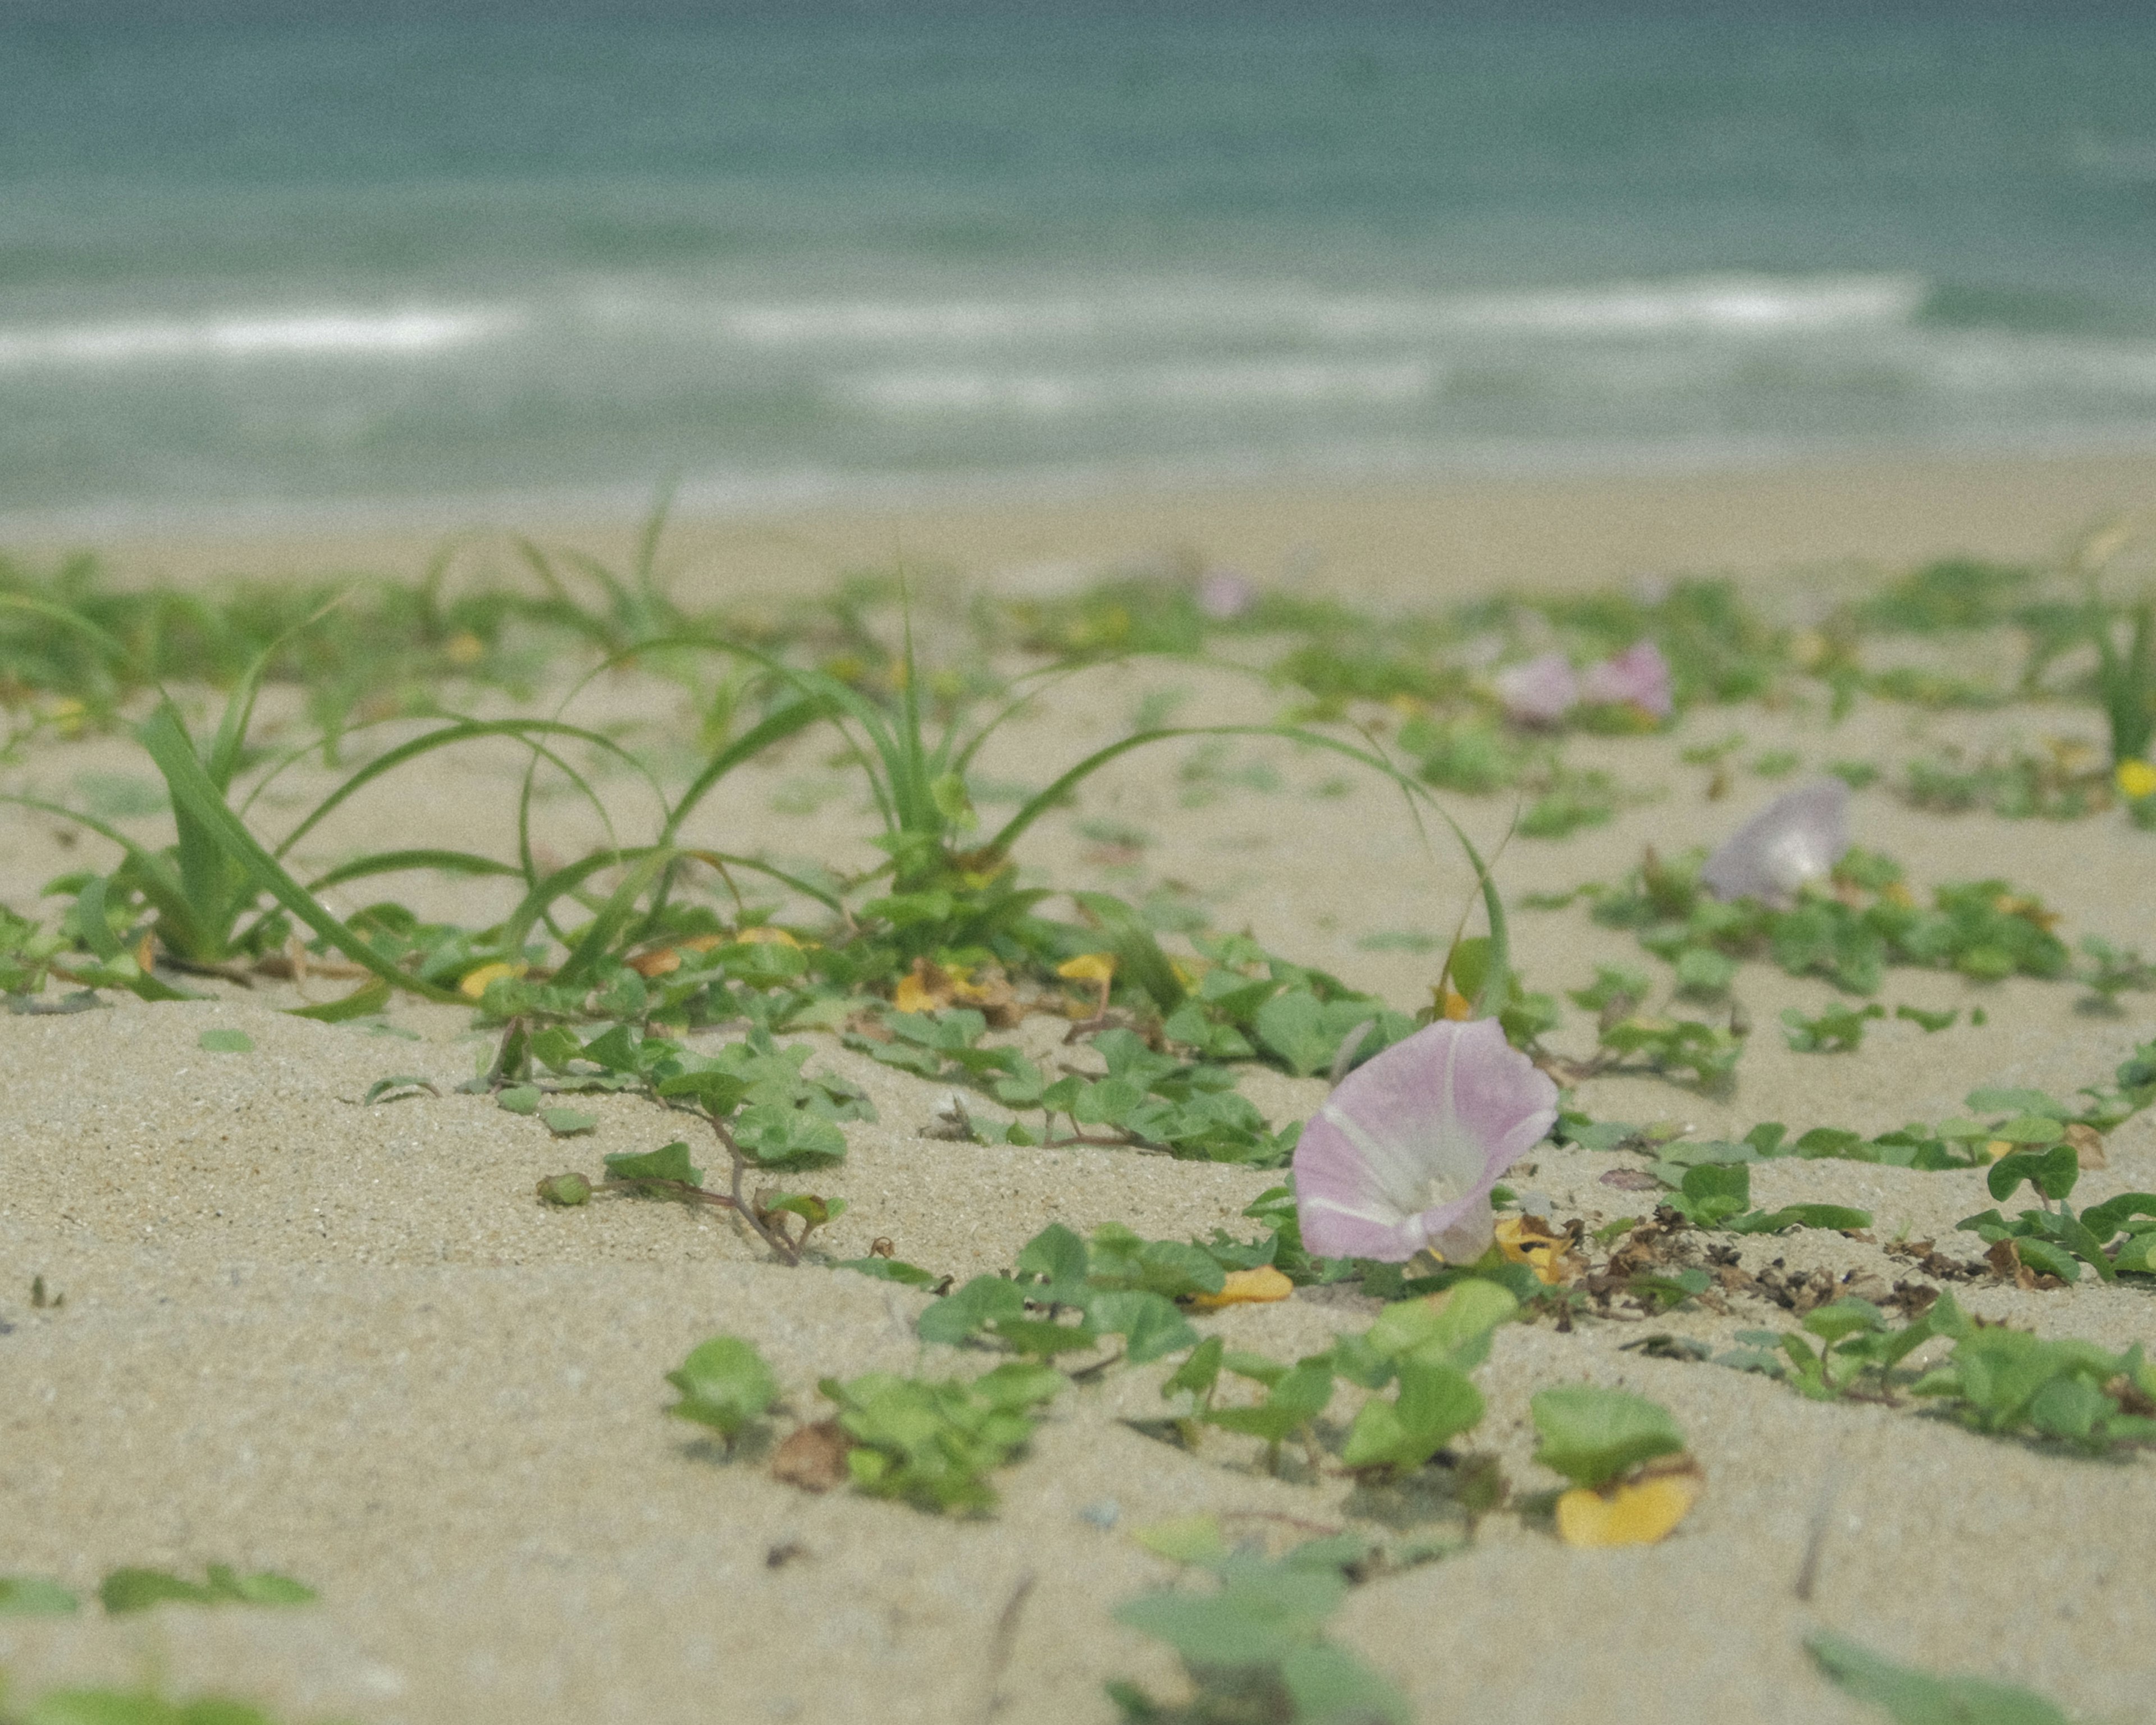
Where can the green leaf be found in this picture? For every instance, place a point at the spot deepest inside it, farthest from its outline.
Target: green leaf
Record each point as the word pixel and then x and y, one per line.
pixel 1330 1686
pixel 669 1162
pixel 133 1589
pixel 266 1587
pixel 1436 1403
pixel 31 1596
pixel 125 1590
pixel 897 1270
pixel 368 999
pixel 985 1300
pixel 1057 1257
pixel 1186 1539
pixel 1456 1333
pixel 567 1123
pixel 1150 1324
pixel 1915 1697
pixel 1255 1617
pixel 226 1042
pixel 1298 1397
pixel 2053 1172
pixel 2029 1129
pixel 1043 1338
pixel 1291 1026
pixel 1200 1372
pixel 519 1099
pixel 2018 1101
pixel 566 1191
pixel 724 1384
pixel 1591 1434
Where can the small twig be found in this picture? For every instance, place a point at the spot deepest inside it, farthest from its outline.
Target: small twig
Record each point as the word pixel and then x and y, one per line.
pixel 1815 1542
pixel 1001 1641
pixel 775 1238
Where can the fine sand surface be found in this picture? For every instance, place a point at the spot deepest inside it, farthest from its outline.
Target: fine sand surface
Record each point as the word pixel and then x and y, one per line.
pixel 1365 540
pixel 349 1344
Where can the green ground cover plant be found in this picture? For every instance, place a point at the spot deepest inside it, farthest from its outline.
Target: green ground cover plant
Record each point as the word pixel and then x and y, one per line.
pixel 126 1706
pixel 1910 1696
pixel 930 960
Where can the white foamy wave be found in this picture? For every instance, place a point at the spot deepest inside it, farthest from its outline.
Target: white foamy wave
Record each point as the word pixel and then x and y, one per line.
pixel 1738 305
pixel 1053 395
pixel 326 333
pixel 1732 304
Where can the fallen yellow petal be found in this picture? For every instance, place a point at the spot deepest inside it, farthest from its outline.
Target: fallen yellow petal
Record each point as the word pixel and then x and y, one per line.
pixel 1641 1513
pixel 474 982
pixel 2136 779
pixel 1246 1287
pixel 1528 1240
pixel 463 648
pixel 1088 968
pixel 764 935
pixel 913 995
pixel 1996 1148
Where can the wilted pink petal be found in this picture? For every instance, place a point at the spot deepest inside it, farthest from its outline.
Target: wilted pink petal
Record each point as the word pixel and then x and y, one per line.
pixel 1226 595
pixel 1402 1155
pixel 1540 692
pixel 1639 676
pixel 1796 838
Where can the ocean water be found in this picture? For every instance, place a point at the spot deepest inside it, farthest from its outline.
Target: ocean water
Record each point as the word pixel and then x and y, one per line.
pixel 260 263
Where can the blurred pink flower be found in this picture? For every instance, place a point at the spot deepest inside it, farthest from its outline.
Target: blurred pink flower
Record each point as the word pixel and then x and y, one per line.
pixel 1402 1155
pixel 1226 595
pixel 1639 676
pixel 1540 692
pixel 1796 838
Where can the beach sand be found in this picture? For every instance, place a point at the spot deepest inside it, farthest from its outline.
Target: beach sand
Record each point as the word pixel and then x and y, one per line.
pixel 349 1344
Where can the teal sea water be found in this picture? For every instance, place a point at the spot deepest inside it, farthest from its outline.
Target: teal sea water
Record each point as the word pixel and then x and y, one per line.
pixel 357 261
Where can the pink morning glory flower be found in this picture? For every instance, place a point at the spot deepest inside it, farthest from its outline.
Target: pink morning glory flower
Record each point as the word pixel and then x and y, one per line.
pixel 1798 837
pixel 1639 676
pixel 1402 1155
pixel 1226 595
pixel 1540 692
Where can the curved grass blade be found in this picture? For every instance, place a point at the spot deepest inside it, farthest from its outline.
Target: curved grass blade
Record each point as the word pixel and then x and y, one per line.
pixel 166 740
pixel 392 862
pixel 463 731
pixel 368 999
pixel 69 618
pixel 787 721
pixel 97 935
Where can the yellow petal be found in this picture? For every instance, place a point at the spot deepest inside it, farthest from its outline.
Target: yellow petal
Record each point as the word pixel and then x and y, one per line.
pixel 1642 1513
pixel 474 982
pixel 1453 1004
pixel 1088 968
pixel 1996 1148
pixel 1246 1287
pixel 463 648
pixel 2136 779
pixel 912 995
pixel 1528 1240
pixel 766 936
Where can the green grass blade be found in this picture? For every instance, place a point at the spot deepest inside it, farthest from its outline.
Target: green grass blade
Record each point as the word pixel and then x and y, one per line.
pixel 369 998
pixel 463 731
pixel 75 621
pixel 1493 904
pixel 166 740
pixel 788 720
pixel 392 862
